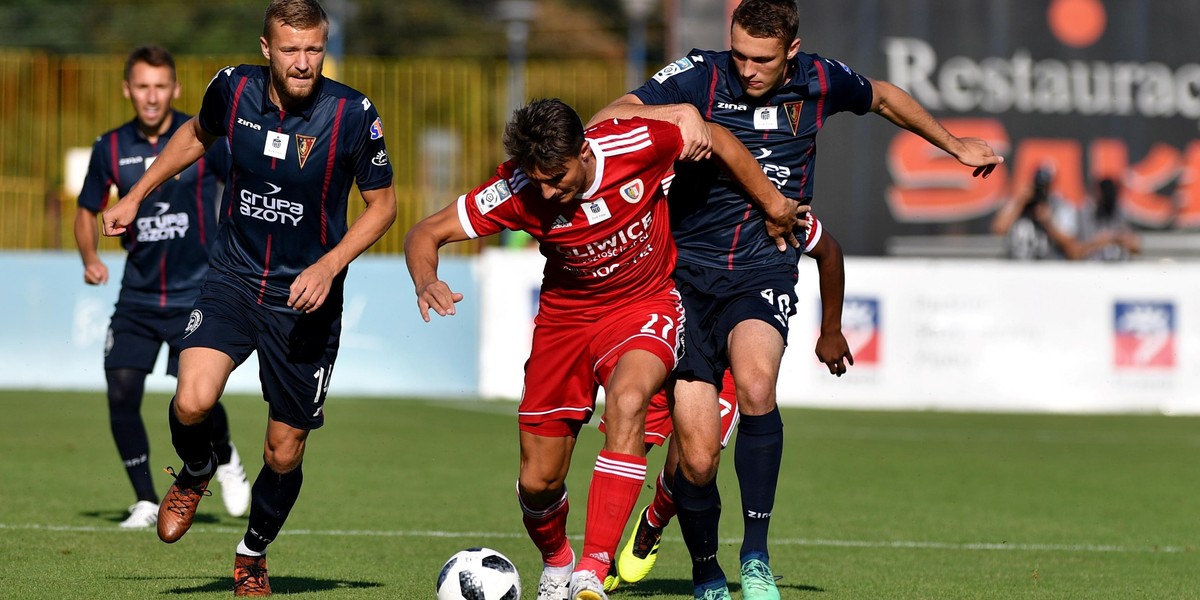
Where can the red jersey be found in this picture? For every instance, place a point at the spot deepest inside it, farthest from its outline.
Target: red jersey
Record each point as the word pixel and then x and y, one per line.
pixel 610 246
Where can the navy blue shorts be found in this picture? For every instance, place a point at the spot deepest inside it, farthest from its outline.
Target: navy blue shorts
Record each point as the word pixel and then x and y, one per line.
pixel 296 351
pixel 716 300
pixel 136 333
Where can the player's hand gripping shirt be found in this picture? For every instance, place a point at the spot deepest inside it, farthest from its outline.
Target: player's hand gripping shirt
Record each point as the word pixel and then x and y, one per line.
pixel 610 247
pixel 169 241
pixel 714 224
pixel 291 175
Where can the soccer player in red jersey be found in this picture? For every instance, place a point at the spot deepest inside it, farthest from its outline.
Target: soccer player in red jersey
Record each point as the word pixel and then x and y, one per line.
pixel 608 313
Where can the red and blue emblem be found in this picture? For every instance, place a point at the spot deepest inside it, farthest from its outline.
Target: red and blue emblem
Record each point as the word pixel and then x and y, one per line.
pixel 1144 335
pixel 376 129
pixel 860 325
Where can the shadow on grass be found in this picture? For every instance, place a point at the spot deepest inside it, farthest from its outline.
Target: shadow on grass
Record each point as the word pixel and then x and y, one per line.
pixel 285 585
pixel 653 588
pixel 116 516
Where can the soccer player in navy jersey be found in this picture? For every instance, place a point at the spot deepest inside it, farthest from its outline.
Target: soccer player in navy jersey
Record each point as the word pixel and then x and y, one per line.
pixel 167 259
pixel 608 312
pixel 775 99
pixel 275 284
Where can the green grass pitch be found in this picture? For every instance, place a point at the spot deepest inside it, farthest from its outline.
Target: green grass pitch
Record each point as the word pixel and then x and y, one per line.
pixel 871 505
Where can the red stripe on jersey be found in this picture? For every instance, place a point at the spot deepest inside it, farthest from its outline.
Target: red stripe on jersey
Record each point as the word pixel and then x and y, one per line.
pixel 282 116
pixel 232 186
pixel 712 94
pixel 162 279
pixel 237 96
pixel 262 285
pixel 200 197
pixel 116 174
pixel 824 81
pixel 737 232
pixel 808 154
pixel 329 164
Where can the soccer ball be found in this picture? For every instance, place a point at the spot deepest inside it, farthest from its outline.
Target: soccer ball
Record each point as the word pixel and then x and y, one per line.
pixel 478 574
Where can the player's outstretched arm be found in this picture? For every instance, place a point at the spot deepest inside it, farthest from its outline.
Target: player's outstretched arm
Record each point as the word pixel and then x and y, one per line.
pixel 95 272
pixel 421 254
pixel 697 140
pixel 311 287
pixel 186 146
pixel 895 105
pixel 832 348
pixel 781 213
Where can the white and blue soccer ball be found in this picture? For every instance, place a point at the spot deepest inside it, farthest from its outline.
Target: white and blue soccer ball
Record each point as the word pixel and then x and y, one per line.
pixel 478 574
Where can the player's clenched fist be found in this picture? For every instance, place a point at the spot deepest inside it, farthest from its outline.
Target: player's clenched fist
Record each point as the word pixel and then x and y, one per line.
pixel 117 218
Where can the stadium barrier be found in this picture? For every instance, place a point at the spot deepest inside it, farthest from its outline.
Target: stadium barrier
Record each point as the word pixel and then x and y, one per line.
pixel 442 120
pixel 957 335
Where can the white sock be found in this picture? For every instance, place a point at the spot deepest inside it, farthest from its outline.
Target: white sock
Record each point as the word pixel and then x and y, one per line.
pixel 246 551
pixel 563 571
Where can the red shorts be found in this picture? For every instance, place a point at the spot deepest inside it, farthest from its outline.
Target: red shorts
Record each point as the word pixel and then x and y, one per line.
pixel 571 359
pixel 658 416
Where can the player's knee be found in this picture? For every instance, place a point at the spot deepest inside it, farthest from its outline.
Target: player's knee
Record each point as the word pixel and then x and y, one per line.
pixel 125 387
pixel 189 410
pixel 756 396
pixel 282 459
pixel 700 465
pixel 625 419
pixel 539 490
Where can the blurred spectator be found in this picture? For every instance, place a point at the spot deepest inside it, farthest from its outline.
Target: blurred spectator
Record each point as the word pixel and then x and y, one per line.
pixel 1106 233
pixel 1039 225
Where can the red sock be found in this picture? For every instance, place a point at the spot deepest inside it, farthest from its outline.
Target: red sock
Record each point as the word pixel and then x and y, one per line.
pixel 662 508
pixel 616 483
pixel 548 530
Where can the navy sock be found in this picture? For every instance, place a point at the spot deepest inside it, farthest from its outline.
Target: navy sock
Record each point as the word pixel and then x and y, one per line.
pixel 125 389
pixel 220 433
pixel 192 442
pixel 699 514
pixel 273 496
pixel 757 457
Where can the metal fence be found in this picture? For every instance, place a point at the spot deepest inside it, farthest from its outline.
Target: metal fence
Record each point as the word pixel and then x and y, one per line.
pixel 442 119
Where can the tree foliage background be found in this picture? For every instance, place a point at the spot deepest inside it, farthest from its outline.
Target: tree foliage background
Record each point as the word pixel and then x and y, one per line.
pixel 445 28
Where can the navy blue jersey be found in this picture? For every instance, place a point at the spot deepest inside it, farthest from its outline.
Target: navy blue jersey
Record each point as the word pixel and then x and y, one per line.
pixel 169 241
pixel 291 175
pixel 713 223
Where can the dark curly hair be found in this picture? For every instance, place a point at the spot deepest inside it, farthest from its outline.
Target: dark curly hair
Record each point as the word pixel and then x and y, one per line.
pixel 543 135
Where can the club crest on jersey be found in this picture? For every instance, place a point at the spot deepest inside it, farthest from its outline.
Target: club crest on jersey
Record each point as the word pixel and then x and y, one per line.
pixel 304 146
pixel 632 192
pixel 674 69
pixel 376 129
pixel 792 110
pixel 492 196
pixel 765 117
pixel 194 321
pixel 596 211
pixel 276 145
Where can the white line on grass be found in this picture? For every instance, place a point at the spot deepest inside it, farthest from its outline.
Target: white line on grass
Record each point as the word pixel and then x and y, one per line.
pixel 919 545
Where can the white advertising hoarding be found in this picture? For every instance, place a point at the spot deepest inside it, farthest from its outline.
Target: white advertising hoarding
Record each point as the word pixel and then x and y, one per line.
pixel 947 335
